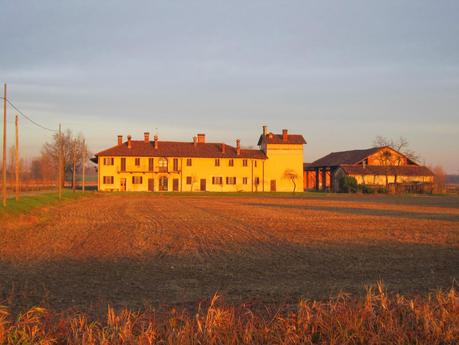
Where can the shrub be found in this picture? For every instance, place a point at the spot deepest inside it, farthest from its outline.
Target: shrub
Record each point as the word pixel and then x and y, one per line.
pixel 348 184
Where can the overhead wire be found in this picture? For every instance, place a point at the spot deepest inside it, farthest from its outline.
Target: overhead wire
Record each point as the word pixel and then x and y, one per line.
pixel 27 117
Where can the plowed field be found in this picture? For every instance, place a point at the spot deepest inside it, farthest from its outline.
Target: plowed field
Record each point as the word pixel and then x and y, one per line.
pixel 138 250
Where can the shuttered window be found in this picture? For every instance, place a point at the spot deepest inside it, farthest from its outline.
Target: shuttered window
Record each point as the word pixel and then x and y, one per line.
pixel 136 179
pixel 108 179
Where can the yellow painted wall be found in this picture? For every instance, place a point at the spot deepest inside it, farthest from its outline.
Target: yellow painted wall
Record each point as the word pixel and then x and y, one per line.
pixel 283 158
pixel 381 179
pixel 201 168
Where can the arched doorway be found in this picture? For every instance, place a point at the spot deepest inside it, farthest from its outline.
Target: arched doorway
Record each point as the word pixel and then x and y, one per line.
pixel 163 183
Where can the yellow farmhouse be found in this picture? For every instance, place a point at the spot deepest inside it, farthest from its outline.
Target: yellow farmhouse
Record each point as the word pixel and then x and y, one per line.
pixel 144 165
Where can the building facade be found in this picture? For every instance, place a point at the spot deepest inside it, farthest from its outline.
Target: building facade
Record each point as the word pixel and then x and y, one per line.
pixel 145 165
pixel 375 168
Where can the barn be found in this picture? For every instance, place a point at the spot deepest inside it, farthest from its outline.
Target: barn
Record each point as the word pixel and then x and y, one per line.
pixel 376 168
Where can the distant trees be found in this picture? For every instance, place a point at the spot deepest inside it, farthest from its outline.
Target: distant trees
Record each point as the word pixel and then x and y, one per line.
pixel 439 179
pixel 72 153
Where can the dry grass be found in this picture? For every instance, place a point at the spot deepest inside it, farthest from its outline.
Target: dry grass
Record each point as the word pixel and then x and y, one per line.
pixel 374 319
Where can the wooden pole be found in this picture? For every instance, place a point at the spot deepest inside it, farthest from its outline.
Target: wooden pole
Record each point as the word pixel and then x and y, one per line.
pixel 83 162
pixel 4 149
pixel 17 157
pixel 74 158
pixel 59 148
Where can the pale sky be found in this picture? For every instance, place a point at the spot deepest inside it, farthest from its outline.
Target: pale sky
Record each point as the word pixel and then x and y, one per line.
pixel 338 72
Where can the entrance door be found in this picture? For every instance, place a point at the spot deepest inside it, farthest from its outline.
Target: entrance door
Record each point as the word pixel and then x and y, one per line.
pixel 203 185
pixel 151 185
pixel 175 184
pixel 163 182
pixel 123 184
pixel 273 185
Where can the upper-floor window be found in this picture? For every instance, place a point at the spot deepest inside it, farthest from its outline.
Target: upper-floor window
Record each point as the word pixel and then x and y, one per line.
pixel 137 162
pixel 217 162
pixel 151 164
pixel 189 162
pixel 176 164
pixel 244 162
pixel 109 161
pixel 255 164
pixel 231 163
pixel 162 164
pixel 123 164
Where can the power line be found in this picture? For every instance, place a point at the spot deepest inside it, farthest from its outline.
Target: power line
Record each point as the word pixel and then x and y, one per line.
pixel 28 118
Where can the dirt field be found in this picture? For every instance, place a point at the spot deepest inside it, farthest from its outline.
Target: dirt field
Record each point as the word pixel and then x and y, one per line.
pixel 139 250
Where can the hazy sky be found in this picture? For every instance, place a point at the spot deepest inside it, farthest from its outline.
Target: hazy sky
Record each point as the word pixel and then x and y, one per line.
pixel 338 72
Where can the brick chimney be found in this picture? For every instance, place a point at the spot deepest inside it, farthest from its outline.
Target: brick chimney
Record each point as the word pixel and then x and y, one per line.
pixel 155 138
pixel 265 130
pixel 120 139
pixel 129 142
pixel 146 137
pixel 223 148
pixel 201 138
pixel 284 135
pixel 195 141
pixel 238 147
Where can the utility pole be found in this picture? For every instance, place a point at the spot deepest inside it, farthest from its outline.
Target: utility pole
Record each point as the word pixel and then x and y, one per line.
pixel 74 159
pixel 83 163
pixel 17 157
pixel 4 149
pixel 59 169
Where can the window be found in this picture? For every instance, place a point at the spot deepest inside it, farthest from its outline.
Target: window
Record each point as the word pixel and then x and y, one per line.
pixel 151 164
pixel 108 160
pixel 108 179
pixel 137 162
pixel 162 164
pixel 136 179
pixel 217 162
pixel 255 164
pixel 244 162
pixel 189 162
pixel 230 180
pixel 231 162
pixel 175 164
pixel 257 180
pixel 188 180
pixel 163 183
pixel 217 180
pixel 123 164
pixel 244 180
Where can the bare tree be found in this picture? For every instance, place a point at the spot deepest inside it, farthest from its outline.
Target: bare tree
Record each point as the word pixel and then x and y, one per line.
pixel 439 179
pixel 72 147
pixel 390 160
pixel 292 176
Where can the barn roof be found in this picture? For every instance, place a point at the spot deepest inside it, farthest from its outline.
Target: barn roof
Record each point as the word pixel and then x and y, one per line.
pixel 343 157
pixel 141 148
pixel 402 170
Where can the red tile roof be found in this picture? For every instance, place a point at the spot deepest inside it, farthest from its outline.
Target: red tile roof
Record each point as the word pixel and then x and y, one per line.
pixel 402 170
pixel 179 149
pixel 272 138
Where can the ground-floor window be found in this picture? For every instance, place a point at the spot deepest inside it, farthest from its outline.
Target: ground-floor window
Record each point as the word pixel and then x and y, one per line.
pixel 217 180
pixel 136 179
pixel 108 179
pixel 163 182
pixel 244 180
pixel 230 180
pixel 188 180
pixel 257 180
